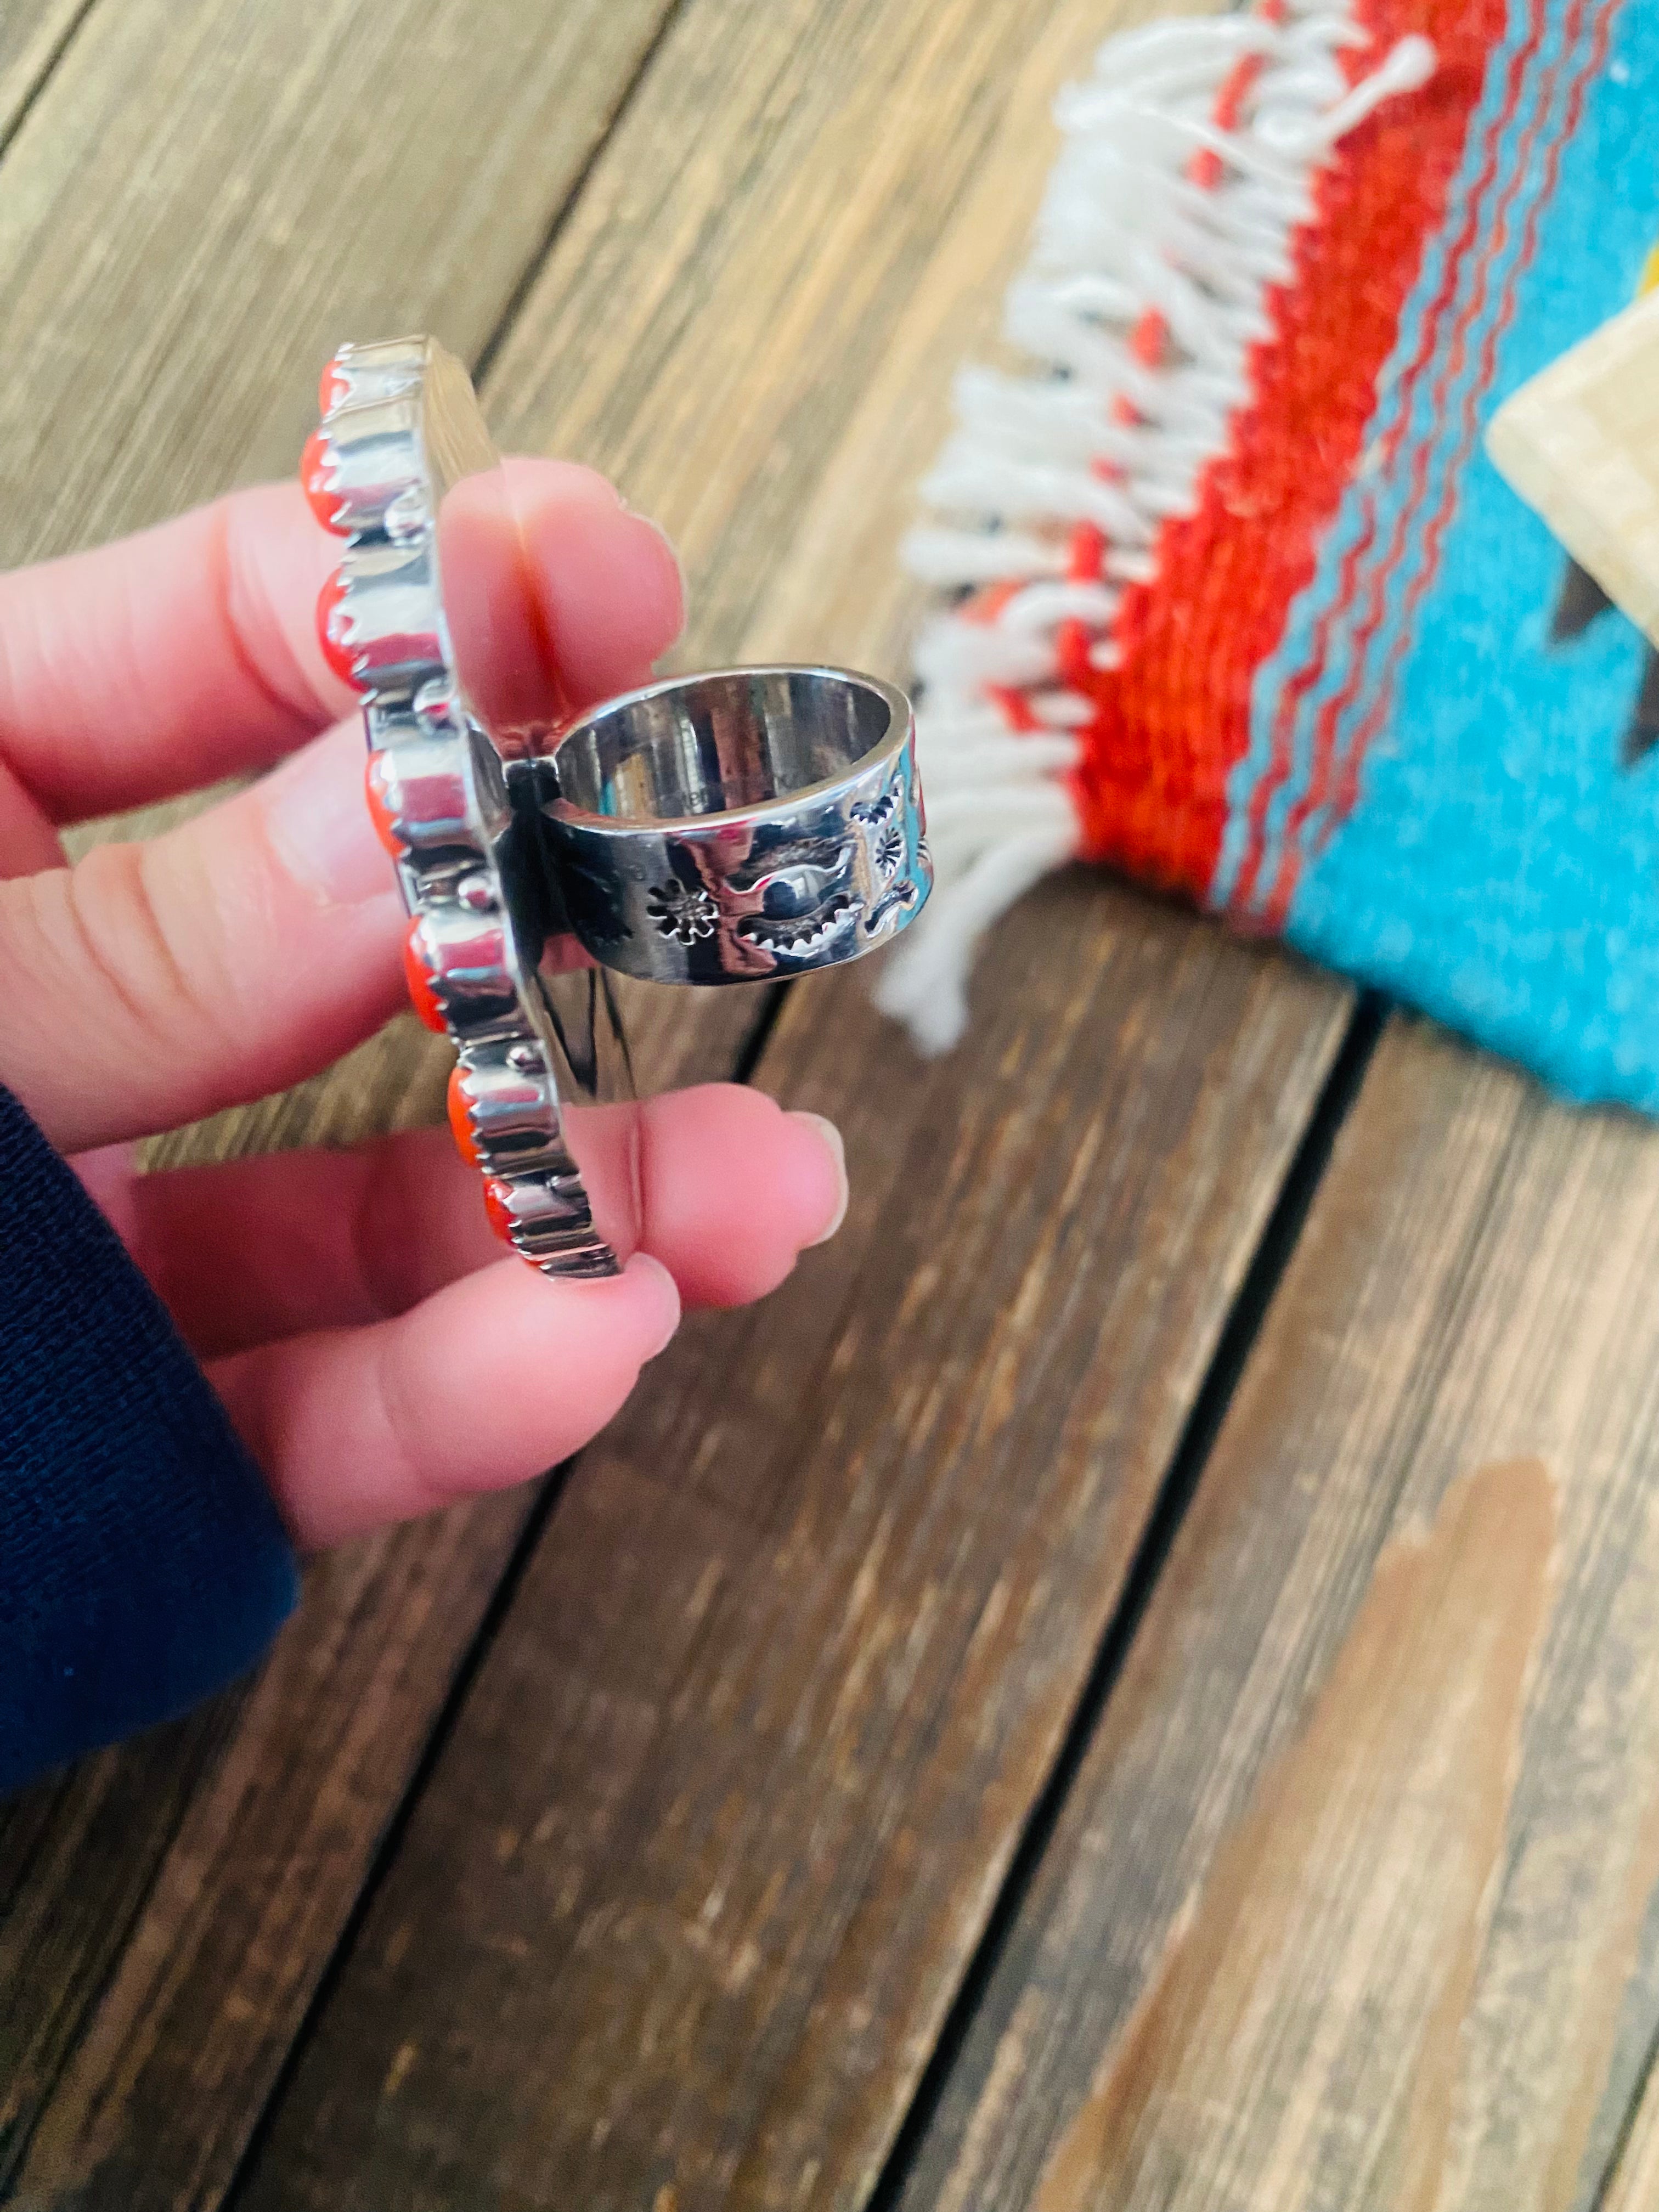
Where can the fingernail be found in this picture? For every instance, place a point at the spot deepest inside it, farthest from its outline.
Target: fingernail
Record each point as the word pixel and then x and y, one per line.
pixel 833 1145
pixel 318 821
pixel 668 1293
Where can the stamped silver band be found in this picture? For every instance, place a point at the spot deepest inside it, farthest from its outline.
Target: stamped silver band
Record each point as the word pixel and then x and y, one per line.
pixel 741 825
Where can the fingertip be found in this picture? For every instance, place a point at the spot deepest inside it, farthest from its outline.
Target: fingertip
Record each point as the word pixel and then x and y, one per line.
pixel 659 1296
pixel 499 1376
pixel 734 1189
pixel 830 1147
pixel 536 481
pixel 607 579
pixel 658 554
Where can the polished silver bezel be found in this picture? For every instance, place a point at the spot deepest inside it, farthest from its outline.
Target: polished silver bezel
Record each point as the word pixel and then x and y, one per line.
pixel 400 423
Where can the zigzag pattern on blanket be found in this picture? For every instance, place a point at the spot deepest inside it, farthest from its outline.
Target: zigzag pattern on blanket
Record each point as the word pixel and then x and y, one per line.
pixel 1237 214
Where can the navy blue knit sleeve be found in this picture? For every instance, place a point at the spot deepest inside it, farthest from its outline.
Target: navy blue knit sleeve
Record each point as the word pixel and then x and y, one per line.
pixel 141 1562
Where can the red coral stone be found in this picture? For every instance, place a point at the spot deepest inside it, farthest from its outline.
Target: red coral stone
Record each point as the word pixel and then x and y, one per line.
pixel 316 472
pixel 379 810
pixel 331 631
pixel 460 1119
pixel 498 1205
pixel 333 388
pixel 422 995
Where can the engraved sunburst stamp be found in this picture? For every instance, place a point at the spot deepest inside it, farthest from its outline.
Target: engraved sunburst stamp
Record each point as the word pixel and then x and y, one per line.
pixel 684 913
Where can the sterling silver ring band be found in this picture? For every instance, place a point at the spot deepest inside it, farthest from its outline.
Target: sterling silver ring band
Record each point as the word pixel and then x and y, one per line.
pixel 743 825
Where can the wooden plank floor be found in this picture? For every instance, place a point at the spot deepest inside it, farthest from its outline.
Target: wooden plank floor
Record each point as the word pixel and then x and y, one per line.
pixel 1384 1935
pixel 1043 1712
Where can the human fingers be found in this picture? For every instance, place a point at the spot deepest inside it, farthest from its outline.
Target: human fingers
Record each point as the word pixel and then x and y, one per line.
pixel 158 980
pixel 190 651
pixel 608 615
pixel 485 1383
pixel 718 1182
pixel 27 838
pixel 167 659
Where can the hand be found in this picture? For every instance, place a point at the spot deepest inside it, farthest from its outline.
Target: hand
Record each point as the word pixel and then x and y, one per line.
pixel 375 1349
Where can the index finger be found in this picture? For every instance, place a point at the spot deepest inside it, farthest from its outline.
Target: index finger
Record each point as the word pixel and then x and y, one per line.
pixel 167 659
pixel 189 652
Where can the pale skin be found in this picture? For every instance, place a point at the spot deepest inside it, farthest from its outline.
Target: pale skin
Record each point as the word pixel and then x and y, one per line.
pixel 379 1353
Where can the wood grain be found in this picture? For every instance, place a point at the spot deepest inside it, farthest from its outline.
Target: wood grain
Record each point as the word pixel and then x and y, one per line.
pixel 692 1884
pixel 122 2112
pixel 1172 1089
pixel 834 1666
pixel 171 1903
pixel 204 201
pixel 174 1900
pixel 1471 1289
pixel 32 36
pixel 678 1914
pixel 1406 1761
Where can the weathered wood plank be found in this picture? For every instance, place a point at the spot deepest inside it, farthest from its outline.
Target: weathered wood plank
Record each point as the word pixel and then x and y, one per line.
pixel 170 1904
pixel 1179 1160
pixel 205 201
pixel 692 1885
pixel 852 183
pixel 1250 1971
pixel 582 1726
pixel 115 2110
pixel 1633 2182
pixel 678 1914
pixel 184 1892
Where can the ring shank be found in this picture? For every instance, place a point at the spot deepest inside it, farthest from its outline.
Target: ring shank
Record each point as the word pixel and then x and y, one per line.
pixel 733 826
pixel 711 745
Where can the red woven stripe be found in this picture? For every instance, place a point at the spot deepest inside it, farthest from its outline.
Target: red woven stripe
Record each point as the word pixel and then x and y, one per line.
pixel 1554 140
pixel 1173 718
pixel 1452 351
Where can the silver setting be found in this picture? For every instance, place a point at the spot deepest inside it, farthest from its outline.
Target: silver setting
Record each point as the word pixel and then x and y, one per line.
pixel 401 429
pixel 735 827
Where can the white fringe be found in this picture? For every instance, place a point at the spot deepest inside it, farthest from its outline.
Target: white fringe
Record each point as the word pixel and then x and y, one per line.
pixel 1154 208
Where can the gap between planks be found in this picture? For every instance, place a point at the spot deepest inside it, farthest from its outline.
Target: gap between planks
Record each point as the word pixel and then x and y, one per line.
pixel 1451 2001
pixel 1243 1325
pixel 1631 2183
pixel 34 35
pixel 848 529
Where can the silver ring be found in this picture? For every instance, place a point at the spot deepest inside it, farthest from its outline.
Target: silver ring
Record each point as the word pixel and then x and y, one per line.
pixel 403 469
pixel 729 828
pixel 741 825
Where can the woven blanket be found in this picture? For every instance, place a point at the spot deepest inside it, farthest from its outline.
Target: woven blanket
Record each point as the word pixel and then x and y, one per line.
pixel 1238 604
